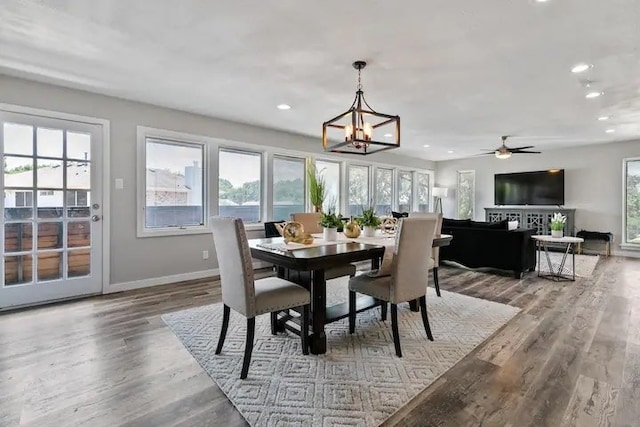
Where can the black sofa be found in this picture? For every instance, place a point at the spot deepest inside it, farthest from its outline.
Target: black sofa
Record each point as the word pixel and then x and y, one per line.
pixel 483 244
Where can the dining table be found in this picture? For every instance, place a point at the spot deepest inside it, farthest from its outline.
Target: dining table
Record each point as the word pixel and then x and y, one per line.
pixel 314 259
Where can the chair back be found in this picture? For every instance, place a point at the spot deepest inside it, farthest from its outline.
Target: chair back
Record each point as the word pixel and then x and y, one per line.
pixel 234 264
pixel 410 271
pixel 309 220
pixel 435 252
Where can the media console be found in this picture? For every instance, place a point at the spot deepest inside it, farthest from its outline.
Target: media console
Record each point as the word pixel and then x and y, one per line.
pixel 532 217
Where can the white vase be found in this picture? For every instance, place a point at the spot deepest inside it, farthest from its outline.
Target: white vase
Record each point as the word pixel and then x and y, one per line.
pixel 369 231
pixel 330 234
pixel 556 233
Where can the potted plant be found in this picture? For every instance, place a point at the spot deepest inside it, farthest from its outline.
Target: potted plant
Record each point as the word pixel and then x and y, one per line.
pixel 317 186
pixel 557 224
pixel 330 221
pixel 369 222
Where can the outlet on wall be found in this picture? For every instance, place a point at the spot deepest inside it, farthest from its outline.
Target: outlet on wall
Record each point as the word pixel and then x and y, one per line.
pixel 205 254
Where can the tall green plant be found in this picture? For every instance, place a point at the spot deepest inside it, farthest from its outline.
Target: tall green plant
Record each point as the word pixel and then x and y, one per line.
pixel 317 186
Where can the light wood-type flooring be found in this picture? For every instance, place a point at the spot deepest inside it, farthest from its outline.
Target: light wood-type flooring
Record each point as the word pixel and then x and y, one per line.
pixel 570 358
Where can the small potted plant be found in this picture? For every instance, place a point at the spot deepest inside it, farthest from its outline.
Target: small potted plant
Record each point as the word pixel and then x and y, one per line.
pixel 557 224
pixel 369 222
pixel 330 221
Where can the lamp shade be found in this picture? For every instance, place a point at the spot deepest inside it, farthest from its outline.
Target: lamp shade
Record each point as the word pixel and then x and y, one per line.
pixel 440 191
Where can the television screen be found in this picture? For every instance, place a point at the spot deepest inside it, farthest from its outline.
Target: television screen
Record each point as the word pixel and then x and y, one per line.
pixel 530 188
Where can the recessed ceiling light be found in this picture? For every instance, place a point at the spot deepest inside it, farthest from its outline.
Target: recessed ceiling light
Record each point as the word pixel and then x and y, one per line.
pixel 591 95
pixel 450 151
pixel 603 118
pixel 542 1
pixel 388 135
pixel 610 131
pixel 426 145
pixel 284 107
pixel 580 68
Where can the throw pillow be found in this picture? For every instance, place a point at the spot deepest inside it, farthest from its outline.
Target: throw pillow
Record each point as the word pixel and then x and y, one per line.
pixel 513 225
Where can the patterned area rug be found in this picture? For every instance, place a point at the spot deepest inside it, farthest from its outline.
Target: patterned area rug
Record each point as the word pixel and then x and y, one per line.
pixel 359 381
pixel 585 264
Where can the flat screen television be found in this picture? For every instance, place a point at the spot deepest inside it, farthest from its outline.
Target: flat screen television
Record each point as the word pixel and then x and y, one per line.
pixel 530 188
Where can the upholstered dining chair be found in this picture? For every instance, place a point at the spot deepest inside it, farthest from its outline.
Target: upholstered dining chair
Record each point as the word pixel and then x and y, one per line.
pixel 434 261
pixel 246 295
pixel 311 223
pixel 408 279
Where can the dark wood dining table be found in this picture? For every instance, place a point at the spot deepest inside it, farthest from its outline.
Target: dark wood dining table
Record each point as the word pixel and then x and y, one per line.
pixel 316 260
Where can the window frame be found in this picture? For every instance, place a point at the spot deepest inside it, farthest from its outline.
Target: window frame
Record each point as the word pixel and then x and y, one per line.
pixel 340 202
pixel 179 138
pixel 393 185
pixel 348 166
pixel 625 244
pixel 473 192
pixel 412 190
pixel 429 192
pixel 265 186
pixel 272 181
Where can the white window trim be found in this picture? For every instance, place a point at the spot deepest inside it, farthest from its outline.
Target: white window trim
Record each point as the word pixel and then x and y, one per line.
pixel 473 193
pixel 393 187
pixel 340 203
pixel 429 184
pixel 143 133
pixel 624 244
pixel 212 147
pixel 412 172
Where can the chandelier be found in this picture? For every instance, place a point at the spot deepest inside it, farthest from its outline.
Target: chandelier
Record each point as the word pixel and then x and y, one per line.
pixel 361 129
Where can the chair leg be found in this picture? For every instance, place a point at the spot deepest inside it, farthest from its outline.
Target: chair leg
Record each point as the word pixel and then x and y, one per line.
pixel 383 311
pixel 436 282
pixel 352 312
pixel 274 323
pixel 394 328
pixel 248 347
pixel 225 324
pixel 304 329
pixel 425 318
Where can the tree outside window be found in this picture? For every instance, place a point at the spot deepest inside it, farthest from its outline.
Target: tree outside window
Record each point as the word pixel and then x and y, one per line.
pixel 466 190
pixel 632 202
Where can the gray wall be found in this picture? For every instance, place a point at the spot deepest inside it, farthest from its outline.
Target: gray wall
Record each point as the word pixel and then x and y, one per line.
pixel 135 258
pixel 593 181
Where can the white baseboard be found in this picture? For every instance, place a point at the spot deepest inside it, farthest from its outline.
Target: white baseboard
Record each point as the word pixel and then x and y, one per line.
pixel 165 280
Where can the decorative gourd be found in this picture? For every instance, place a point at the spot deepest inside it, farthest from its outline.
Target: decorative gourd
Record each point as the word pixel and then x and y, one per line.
pixel 352 229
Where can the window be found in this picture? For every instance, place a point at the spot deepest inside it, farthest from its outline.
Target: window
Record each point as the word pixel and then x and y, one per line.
pixel 77 198
pixel 631 220
pixel 423 192
pixel 46 192
pixel 239 184
pixel 466 191
pixel 330 171
pixel 24 199
pixel 358 189
pixel 383 191
pixel 288 187
pixel 405 190
pixel 174 185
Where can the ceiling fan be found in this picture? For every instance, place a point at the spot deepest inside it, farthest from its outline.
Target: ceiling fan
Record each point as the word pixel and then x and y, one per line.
pixel 504 152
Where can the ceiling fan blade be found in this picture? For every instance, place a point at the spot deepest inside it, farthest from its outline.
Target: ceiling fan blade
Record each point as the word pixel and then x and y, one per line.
pixel 526 147
pixel 486 154
pixel 525 152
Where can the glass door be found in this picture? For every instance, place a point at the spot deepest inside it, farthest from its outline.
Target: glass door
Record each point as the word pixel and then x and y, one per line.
pixel 52 209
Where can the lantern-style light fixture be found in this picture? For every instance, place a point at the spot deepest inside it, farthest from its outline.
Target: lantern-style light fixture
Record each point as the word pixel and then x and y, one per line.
pixel 361 129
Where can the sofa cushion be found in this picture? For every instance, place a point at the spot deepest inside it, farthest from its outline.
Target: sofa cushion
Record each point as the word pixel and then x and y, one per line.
pixel 499 225
pixel 449 222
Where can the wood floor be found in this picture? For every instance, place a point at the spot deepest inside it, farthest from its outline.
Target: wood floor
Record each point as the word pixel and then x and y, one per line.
pixel 570 358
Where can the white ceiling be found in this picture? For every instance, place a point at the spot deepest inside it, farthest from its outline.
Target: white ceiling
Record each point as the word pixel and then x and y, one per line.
pixel 459 73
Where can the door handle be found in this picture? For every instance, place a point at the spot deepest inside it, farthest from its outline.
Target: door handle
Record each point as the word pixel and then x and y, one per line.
pixel 96 218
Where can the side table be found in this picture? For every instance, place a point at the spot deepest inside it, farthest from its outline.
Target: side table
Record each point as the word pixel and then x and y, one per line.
pixel 557 275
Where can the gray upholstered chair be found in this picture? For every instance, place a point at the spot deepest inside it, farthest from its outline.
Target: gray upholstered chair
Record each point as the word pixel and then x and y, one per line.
pixel 434 261
pixel 246 295
pixel 408 279
pixel 311 223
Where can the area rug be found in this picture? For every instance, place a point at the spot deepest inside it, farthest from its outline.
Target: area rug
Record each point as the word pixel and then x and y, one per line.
pixel 585 264
pixel 359 381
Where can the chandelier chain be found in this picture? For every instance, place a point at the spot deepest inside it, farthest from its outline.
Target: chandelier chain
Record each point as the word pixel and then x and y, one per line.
pixel 359 79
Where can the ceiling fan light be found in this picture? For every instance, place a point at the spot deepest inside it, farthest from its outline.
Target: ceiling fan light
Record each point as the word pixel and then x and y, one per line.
pixel 503 154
